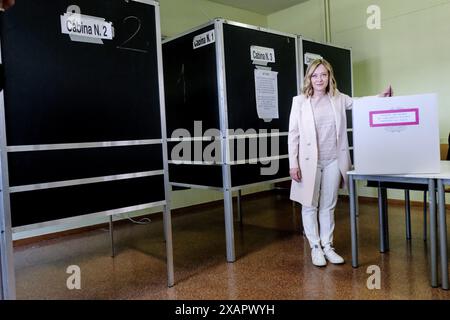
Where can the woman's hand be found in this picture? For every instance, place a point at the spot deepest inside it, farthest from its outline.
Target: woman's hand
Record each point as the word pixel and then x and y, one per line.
pixel 295 174
pixel 388 92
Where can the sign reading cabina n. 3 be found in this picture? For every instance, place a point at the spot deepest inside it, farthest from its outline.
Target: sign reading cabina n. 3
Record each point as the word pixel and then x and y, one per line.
pixel 262 55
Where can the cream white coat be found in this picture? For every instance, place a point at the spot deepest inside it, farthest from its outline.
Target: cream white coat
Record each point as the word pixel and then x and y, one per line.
pixel 303 149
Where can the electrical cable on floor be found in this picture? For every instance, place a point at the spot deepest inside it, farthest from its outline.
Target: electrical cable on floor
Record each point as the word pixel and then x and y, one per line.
pixel 142 221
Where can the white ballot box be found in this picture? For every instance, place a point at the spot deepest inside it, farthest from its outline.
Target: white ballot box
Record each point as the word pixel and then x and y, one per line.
pixel 397 135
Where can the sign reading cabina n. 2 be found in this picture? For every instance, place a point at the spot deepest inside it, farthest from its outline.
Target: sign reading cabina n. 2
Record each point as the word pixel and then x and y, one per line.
pixel 84 28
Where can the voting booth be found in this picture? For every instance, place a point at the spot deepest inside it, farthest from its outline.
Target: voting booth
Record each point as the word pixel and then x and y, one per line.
pixel 229 89
pixel 397 135
pixel 81 116
pixel 340 59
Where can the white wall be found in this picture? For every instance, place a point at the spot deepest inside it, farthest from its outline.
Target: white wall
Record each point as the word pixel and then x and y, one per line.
pixel 304 19
pixel 178 16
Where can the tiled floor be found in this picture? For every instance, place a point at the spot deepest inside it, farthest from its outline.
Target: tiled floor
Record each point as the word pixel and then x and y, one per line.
pixel 273 259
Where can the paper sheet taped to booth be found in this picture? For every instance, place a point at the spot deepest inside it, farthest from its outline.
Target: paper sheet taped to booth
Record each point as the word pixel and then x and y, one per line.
pixel 397 135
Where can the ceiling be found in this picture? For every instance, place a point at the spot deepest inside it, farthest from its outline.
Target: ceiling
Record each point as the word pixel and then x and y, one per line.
pixel 264 7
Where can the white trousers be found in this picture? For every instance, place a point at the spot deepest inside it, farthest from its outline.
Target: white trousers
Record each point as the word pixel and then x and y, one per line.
pixel 319 230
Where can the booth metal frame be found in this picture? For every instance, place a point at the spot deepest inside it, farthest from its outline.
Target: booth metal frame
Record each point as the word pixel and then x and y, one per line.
pixel 7 275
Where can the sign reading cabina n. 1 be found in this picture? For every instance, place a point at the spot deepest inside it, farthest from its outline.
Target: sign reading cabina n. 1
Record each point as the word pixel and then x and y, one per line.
pixel 203 39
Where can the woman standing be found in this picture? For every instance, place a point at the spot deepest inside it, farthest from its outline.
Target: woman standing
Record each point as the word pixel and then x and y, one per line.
pixel 319 156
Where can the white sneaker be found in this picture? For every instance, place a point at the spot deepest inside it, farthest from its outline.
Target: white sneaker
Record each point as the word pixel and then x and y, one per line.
pixel 332 256
pixel 317 257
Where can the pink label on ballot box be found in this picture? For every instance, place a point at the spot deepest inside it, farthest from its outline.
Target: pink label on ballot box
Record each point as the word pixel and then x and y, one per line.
pixel 393 118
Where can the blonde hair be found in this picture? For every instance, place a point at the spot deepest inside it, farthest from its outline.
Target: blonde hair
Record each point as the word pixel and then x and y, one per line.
pixel 308 89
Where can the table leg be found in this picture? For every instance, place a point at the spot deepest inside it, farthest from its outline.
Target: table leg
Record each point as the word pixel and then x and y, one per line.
pixel 386 218
pixel 433 236
pixel 425 216
pixel 353 227
pixel 381 222
pixel 407 215
pixel 443 235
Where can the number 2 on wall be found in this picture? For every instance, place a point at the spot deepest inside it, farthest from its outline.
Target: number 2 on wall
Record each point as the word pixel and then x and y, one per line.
pixel 124 44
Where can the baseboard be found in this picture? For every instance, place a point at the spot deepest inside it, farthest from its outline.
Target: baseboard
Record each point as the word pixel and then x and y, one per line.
pixel 395 202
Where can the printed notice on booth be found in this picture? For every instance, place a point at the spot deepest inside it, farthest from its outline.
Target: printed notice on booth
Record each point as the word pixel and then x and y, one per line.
pixel 266 87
